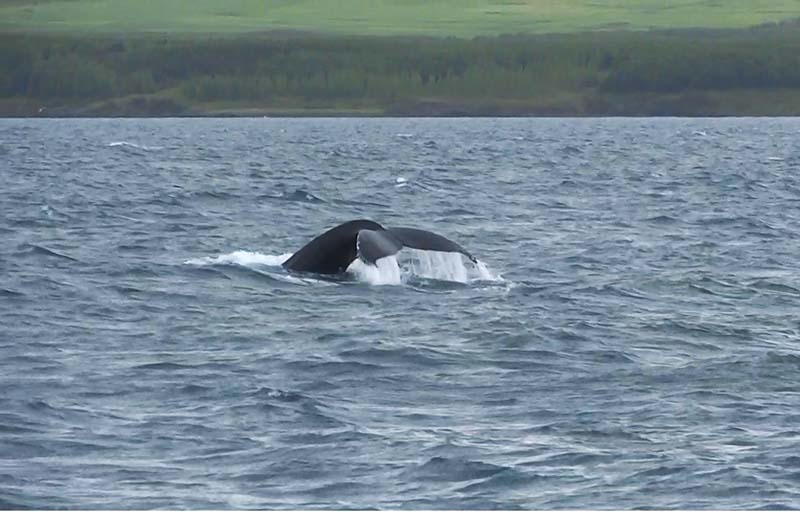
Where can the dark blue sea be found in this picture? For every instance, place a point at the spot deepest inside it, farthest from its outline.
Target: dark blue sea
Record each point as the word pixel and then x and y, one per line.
pixel 630 337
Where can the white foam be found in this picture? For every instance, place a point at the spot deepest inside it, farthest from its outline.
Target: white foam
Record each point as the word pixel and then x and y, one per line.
pixel 441 266
pixel 385 271
pixel 445 266
pixel 391 270
pixel 243 258
pixel 485 274
pixel 123 143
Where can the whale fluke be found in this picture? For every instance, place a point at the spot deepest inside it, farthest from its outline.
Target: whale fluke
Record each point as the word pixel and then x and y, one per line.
pixel 374 245
pixel 334 250
pixel 427 241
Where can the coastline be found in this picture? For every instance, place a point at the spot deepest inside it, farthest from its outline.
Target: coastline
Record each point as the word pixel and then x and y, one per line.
pixel 736 103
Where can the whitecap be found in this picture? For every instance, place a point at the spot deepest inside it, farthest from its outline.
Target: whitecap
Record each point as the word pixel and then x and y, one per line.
pixel 126 144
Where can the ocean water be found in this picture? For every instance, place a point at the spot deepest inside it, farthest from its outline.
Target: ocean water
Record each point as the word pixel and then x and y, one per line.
pixel 630 338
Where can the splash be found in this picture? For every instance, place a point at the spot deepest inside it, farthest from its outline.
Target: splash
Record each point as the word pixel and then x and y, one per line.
pixel 257 262
pixel 445 266
pixel 391 270
pixel 440 266
pixel 385 271
pixel 243 258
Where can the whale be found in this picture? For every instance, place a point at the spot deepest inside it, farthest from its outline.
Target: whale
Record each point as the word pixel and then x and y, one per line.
pixel 334 250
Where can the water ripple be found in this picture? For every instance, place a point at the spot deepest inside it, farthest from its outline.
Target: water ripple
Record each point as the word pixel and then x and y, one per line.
pixel 630 341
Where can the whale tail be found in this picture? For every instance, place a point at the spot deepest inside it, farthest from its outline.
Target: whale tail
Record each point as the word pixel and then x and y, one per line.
pixel 427 241
pixel 334 250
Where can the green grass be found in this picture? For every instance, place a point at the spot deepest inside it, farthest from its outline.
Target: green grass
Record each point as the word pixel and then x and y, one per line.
pixel 376 17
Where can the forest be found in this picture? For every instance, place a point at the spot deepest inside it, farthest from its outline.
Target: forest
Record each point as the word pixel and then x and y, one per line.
pixel 753 71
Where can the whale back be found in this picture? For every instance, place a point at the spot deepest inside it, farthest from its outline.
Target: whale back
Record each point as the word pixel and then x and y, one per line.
pixel 332 251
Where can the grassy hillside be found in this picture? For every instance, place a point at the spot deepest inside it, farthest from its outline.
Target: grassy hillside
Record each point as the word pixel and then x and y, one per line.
pixel 357 57
pixel 730 72
pixel 377 17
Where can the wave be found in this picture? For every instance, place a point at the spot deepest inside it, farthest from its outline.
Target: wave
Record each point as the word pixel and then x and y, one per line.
pixel 263 265
pixel 445 469
pixel 131 145
pixel 242 258
pixel 298 195
pixel 8 292
pixel 28 248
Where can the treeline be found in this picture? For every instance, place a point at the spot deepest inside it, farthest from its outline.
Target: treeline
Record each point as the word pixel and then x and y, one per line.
pixel 308 67
pixel 264 69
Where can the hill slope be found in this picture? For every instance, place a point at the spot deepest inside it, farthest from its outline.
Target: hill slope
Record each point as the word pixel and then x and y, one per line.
pixel 439 17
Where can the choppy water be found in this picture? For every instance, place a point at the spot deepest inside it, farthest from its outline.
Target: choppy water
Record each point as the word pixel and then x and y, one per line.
pixel 631 342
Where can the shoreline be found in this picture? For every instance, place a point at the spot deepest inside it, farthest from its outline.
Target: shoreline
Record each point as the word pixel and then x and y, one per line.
pixel 746 103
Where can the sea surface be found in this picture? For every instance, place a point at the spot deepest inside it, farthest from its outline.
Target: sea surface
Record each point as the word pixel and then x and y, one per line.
pixel 629 339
